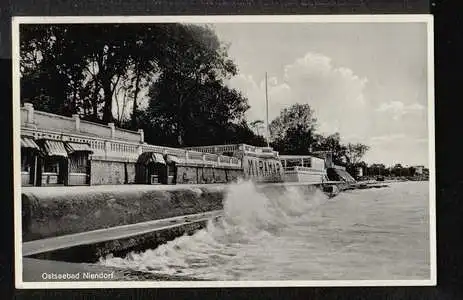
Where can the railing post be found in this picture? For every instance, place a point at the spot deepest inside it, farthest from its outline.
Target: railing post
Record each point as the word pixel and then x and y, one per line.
pixel 77 121
pixel 30 114
pixel 142 135
pixel 107 148
pixel 113 129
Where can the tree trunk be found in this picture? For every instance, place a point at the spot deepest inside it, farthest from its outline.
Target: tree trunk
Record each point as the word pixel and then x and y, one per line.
pixel 135 104
pixel 108 100
pixel 95 102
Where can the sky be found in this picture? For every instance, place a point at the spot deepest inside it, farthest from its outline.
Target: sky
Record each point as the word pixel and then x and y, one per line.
pixel 366 81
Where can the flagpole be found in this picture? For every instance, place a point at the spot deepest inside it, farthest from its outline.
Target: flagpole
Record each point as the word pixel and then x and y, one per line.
pixel 266 107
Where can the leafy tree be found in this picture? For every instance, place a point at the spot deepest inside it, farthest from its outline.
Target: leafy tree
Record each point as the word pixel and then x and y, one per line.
pixel 355 152
pixel 296 141
pixel 377 169
pixel 293 130
pixel 332 143
pixel 300 116
pixel 50 66
pixel 79 67
pixel 194 113
pixel 257 125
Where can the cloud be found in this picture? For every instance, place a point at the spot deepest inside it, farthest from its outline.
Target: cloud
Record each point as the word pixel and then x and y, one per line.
pixel 398 109
pixel 335 93
pixel 397 148
pixel 387 138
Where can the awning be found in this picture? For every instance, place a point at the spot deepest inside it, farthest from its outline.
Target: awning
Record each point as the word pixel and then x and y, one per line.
pixel 157 157
pixel 148 157
pixel 54 148
pixel 75 147
pixel 28 143
pixel 174 159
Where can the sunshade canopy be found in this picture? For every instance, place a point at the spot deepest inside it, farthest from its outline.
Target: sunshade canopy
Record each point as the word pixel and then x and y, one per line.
pixel 147 157
pixel 54 148
pixel 72 147
pixel 174 159
pixel 29 143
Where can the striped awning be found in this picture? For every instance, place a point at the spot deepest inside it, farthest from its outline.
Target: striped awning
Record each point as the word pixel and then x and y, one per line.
pixel 174 159
pixel 72 147
pixel 157 157
pixel 54 148
pixel 149 157
pixel 27 142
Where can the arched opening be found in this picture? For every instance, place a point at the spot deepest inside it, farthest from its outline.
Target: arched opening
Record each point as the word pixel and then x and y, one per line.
pixel 151 168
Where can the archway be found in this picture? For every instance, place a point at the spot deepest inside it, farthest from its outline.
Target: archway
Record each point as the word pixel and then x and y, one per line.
pixel 151 168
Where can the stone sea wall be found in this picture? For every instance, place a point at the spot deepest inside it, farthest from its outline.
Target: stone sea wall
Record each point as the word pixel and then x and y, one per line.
pixel 48 213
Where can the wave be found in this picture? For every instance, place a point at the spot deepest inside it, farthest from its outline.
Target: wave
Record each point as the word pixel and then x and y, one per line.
pixel 253 220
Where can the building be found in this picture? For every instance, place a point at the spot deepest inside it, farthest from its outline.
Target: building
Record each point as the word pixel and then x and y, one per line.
pixel 59 150
pixel 303 168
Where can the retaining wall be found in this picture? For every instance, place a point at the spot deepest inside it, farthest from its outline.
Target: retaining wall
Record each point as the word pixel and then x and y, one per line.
pixel 111 172
pixel 198 174
pixel 50 213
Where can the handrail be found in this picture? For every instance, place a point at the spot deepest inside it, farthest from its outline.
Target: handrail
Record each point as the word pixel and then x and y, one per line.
pixel 130 147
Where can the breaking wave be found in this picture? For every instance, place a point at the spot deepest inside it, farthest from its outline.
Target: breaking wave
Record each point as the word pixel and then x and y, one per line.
pixel 258 226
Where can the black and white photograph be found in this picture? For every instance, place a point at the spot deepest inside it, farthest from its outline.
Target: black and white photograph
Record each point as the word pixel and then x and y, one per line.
pixel 224 151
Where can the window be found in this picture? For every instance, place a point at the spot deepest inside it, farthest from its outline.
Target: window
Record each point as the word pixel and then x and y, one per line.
pixel 308 162
pixel 290 164
pixel 78 162
pixel 50 165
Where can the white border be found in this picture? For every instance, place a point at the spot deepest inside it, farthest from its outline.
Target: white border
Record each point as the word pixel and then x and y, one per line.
pixel 428 19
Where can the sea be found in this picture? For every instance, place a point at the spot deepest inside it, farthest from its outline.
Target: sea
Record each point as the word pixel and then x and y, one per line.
pixel 371 234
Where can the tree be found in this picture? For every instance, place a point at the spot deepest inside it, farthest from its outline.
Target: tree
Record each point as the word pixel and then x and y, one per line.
pixel 300 116
pixel 194 113
pixel 297 141
pixel 355 152
pixel 70 68
pixel 292 131
pixel 377 169
pixel 257 125
pixel 397 170
pixel 332 143
pixel 51 69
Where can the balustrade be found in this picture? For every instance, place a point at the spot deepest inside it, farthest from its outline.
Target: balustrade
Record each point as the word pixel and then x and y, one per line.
pixel 108 142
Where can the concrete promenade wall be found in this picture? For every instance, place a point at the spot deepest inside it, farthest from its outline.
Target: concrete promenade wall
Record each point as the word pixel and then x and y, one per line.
pixel 199 175
pixel 66 210
pixel 111 172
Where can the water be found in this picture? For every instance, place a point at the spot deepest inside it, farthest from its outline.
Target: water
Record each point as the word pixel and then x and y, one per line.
pixel 375 234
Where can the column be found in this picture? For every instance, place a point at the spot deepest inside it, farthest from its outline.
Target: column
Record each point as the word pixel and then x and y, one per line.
pixel 77 121
pixel 113 129
pixel 142 135
pixel 30 114
pixel 107 148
